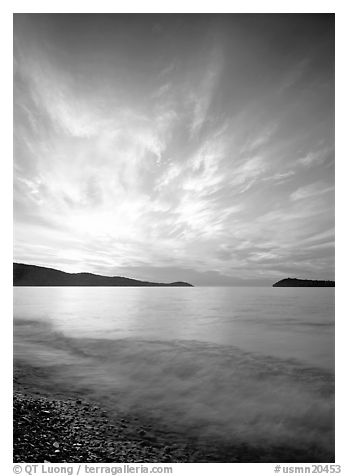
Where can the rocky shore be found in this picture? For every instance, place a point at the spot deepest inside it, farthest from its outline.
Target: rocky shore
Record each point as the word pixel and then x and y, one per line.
pixel 51 430
pixel 53 424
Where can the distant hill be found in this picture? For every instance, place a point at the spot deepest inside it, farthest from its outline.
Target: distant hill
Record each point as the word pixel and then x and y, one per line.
pixel 30 275
pixel 302 283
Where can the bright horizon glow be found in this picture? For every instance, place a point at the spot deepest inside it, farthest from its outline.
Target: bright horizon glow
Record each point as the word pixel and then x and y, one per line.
pixel 175 147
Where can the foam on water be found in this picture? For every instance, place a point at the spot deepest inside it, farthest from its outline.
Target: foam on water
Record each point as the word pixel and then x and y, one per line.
pixel 205 389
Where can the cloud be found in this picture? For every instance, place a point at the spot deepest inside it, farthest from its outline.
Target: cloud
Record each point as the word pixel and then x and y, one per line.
pixel 280 177
pixel 315 157
pixel 259 140
pixel 323 235
pixel 245 174
pixel 148 155
pixel 201 95
pixel 312 190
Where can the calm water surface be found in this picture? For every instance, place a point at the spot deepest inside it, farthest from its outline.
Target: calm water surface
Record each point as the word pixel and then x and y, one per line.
pixel 284 322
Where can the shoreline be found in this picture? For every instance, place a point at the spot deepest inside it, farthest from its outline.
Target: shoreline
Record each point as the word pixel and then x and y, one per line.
pixel 55 425
pixel 68 431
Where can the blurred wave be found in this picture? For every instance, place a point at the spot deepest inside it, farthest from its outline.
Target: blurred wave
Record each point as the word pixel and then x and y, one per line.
pixel 205 389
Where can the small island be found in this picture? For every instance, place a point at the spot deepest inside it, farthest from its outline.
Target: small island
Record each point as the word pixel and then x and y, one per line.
pixel 303 283
pixel 30 275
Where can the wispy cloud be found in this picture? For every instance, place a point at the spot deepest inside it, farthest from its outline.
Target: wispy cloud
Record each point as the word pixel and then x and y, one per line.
pixel 201 94
pixel 190 155
pixel 316 157
pixel 311 190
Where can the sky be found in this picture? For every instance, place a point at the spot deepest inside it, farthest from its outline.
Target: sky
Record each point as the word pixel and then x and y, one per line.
pixel 175 147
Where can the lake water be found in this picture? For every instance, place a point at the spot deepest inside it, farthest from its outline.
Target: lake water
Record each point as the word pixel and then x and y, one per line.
pixel 253 365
